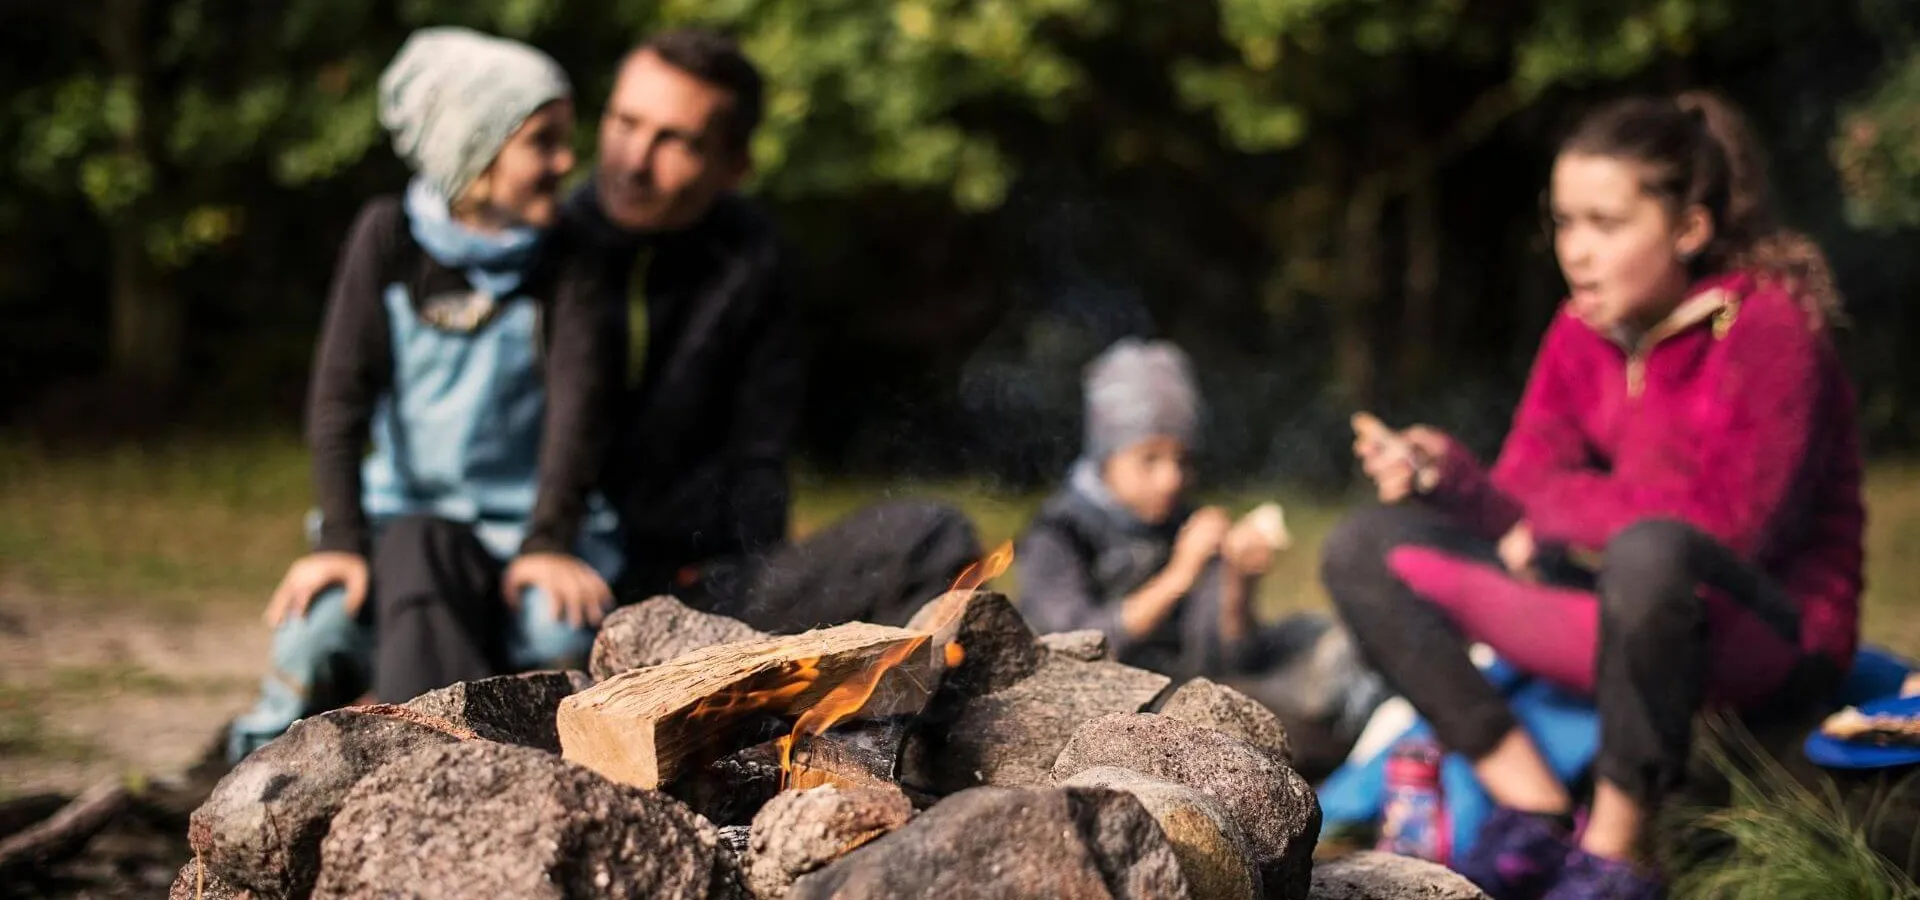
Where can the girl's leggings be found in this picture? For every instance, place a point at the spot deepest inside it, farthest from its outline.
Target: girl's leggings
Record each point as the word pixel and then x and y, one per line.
pixel 1673 621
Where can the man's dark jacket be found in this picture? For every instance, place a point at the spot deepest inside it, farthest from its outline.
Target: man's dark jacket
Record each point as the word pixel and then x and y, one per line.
pixel 698 466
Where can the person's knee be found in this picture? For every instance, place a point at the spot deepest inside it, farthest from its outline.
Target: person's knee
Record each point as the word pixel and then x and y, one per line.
pixel 1356 549
pixel 543 640
pixel 326 629
pixel 1647 578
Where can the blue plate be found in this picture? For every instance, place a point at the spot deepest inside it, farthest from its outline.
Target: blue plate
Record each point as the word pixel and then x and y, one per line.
pixel 1838 754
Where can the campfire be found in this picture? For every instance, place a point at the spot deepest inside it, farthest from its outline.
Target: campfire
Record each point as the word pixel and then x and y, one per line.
pixel 958 756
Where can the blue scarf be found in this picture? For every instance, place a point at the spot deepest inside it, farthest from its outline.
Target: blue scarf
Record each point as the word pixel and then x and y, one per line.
pixel 495 263
pixel 1085 481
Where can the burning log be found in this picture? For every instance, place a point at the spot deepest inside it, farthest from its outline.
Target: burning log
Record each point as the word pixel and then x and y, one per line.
pixel 859 754
pixel 646 727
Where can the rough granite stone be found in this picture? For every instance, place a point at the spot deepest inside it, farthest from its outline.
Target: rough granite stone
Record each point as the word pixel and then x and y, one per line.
pixel 1212 851
pixel 481 819
pixel 992 843
pixel 511 709
pixel 1271 804
pixel 999 649
pixel 262 826
pixel 802 831
pixel 1222 708
pixel 1384 876
pixel 1089 645
pixel 195 883
pixel 1012 737
pixel 654 631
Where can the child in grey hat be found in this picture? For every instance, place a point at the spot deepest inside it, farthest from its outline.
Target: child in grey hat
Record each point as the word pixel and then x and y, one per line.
pixel 1120 549
pixel 469 341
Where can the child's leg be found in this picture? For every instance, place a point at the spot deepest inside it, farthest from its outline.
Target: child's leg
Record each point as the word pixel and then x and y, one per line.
pixel 1421 652
pixel 439 612
pixel 538 640
pixel 320 662
pixel 1663 648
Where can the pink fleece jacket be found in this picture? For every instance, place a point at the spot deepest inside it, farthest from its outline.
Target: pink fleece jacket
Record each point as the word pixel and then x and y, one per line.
pixel 1733 415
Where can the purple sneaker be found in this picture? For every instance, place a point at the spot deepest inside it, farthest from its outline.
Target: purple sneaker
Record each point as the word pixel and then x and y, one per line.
pixel 1589 877
pixel 1516 856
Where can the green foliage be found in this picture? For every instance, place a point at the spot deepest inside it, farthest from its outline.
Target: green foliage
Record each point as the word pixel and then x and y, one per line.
pixel 1877 152
pixel 1778 838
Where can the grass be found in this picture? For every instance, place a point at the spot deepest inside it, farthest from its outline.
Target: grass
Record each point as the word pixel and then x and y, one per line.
pixel 208 526
pixel 1779 836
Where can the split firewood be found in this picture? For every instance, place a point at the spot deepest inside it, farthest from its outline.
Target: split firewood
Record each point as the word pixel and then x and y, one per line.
pixel 862 754
pixel 647 726
pixel 67 832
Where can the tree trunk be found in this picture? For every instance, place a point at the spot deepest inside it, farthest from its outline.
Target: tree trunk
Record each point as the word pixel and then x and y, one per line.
pixel 1356 369
pixel 146 321
pixel 1420 320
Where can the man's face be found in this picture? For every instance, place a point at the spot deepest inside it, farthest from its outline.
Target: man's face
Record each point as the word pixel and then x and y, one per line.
pixel 664 152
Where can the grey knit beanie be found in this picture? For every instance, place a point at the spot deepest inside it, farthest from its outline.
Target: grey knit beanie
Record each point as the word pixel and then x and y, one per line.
pixel 452 97
pixel 1136 390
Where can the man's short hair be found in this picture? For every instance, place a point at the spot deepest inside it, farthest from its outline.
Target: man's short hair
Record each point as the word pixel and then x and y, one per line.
pixel 715 58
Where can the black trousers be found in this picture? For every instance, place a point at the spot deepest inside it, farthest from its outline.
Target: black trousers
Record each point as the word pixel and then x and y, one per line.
pixel 880 564
pixel 1655 637
pixel 439 614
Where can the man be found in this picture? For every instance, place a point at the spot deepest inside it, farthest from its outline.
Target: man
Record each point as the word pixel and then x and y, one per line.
pixel 698 472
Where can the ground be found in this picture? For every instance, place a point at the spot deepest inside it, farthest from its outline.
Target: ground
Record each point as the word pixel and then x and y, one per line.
pixel 131 584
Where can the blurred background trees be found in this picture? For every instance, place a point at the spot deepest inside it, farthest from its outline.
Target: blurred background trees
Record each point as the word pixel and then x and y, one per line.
pixel 1329 202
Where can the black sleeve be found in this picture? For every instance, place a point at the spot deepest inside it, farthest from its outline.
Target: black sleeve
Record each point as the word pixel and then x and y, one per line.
pixel 583 369
pixel 352 367
pixel 766 411
pixel 1057 591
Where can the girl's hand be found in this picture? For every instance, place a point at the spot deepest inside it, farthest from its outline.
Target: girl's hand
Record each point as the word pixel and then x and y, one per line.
pixel 580 595
pixel 1517 550
pixel 1402 464
pixel 311 574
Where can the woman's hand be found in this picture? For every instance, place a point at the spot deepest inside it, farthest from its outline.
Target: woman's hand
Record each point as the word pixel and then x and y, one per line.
pixel 311 574
pixel 1402 464
pixel 1517 550
pixel 580 595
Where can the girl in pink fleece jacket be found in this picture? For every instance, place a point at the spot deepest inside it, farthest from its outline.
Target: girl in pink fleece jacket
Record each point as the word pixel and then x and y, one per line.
pixel 1675 518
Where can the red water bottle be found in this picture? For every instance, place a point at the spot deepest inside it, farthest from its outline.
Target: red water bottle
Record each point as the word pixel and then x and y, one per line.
pixel 1413 816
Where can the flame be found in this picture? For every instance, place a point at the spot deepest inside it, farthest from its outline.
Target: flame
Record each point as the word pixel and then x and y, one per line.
pixel 977 575
pixel 779 690
pixel 845 699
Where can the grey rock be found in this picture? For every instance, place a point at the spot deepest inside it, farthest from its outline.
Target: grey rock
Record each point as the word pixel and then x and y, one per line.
pixel 1213 853
pixel 999 648
pixel 1271 804
pixel 196 883
pixel 991 843
pixel 1089 645
pixel 481 819
pixel 1384 876
pixel 654 631
pixel 802 831
pixel 262 826
pixel 1012 737
pixel 1222 708
pixel 511 709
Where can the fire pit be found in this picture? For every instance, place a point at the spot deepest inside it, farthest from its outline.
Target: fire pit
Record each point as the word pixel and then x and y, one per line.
pixel 961 756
